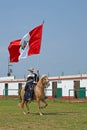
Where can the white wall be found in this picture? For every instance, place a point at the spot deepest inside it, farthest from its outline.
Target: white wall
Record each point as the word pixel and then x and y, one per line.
pixel 83 83
pixel 13 89
pixel 48 90
pixel 1 88
pixel 66 85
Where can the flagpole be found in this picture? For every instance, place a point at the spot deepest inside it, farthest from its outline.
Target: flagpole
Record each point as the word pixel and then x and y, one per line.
pixel 38 56
pixel 37 66
pixel 43 22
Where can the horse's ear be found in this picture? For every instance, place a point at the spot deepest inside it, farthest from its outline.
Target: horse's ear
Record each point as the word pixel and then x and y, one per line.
pixel 43 76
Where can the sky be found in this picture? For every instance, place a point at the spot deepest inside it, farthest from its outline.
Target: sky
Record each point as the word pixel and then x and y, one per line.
pixel 64 39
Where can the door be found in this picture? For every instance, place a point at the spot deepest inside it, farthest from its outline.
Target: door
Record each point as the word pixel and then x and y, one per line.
pixel 76 88
pixel 54 88
pixel 59 93
pixel 6 89
pixel 82 92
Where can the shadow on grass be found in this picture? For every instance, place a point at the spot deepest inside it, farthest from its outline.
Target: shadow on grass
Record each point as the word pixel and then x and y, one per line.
pixel 61 113
pixel 57 113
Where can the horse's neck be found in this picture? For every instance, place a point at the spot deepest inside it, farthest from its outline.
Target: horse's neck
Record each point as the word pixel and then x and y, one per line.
pixel 40 85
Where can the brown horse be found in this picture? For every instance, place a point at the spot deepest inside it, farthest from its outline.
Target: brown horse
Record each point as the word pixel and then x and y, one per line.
pixel 39 94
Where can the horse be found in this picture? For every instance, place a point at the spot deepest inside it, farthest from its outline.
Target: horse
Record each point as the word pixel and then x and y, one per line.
pixel 39 94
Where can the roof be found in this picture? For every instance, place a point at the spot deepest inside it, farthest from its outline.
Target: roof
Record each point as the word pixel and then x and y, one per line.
pixel 68 77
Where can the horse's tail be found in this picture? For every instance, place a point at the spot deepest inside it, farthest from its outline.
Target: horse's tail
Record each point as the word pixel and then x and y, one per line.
pixel 19 94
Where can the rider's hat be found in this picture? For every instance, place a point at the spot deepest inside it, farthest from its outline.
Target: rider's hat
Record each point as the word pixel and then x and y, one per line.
pixel 31 69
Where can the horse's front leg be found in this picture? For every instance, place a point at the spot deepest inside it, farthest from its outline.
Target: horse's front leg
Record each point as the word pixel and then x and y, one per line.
pixel 45 103
pixel 38 102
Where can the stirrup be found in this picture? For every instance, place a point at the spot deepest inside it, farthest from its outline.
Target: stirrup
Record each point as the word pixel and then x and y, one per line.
pixel 29 99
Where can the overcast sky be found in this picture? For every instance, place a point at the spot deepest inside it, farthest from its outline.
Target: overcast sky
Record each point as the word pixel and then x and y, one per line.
pixel 64 39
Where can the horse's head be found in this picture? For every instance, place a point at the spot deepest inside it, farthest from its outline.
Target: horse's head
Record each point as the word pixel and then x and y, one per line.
pixel 44 80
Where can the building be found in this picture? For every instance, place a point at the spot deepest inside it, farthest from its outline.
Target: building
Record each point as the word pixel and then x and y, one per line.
pixel 9 86
pixel 72 86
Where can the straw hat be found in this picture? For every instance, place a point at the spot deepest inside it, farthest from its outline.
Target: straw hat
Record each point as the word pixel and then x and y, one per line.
pixel 31 69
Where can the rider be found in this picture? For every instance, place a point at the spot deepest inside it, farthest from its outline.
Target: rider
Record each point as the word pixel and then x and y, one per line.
pixel 32 80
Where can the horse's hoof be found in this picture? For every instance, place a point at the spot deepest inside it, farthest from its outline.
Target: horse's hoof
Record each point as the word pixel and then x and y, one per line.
pixel 42 107
pixel 24 113
pixel 41 114
pixel 46 105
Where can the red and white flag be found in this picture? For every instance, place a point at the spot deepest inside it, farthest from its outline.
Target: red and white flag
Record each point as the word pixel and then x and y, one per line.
pixel 29 45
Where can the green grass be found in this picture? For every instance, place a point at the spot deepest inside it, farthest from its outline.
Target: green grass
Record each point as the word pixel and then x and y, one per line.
pixel 59 115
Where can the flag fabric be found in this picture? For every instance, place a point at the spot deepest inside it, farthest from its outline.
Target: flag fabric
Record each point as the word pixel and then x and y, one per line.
pixel 29 45
pixel 14 48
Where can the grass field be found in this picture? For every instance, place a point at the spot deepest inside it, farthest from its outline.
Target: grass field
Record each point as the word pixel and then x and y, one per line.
pixel 59 115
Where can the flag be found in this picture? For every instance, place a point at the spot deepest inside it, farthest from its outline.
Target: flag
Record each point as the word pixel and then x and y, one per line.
pixel 29 45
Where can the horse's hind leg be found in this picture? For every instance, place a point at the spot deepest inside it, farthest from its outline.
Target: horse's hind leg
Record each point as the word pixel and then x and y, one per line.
pixel 27 107
pixel 22 106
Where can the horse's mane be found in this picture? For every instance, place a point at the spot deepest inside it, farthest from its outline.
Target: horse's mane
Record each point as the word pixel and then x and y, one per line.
pixel 44 75
pixel 41 79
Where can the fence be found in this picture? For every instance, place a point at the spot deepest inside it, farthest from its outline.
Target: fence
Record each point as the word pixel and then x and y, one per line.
pixel 77 93
pixel 10 92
